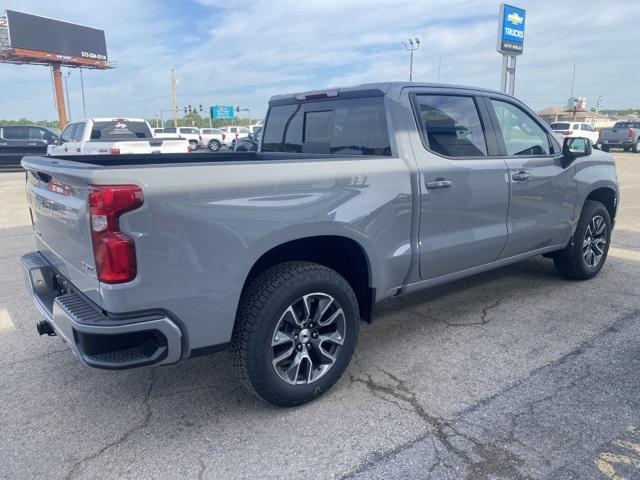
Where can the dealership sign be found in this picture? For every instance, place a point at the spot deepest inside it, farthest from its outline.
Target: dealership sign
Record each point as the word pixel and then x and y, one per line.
pixel 511 30
pixel 221 112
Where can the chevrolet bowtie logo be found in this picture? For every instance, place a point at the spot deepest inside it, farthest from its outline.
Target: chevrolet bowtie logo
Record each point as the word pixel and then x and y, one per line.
pixel 515 19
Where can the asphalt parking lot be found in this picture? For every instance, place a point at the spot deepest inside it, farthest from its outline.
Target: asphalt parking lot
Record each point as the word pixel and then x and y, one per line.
pixel 517 373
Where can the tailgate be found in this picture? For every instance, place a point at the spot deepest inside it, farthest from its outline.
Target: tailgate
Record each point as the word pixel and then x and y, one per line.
pixel 58 203
pixel 617 134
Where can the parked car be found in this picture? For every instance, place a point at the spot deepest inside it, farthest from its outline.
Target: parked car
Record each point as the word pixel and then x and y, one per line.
pixel 249 143
pixel 113 136
pixel 233 134
pixel 625 135
pixel 357 195
pixel 192 135
pixel 16 141
pixel 576 129
pixel 213 138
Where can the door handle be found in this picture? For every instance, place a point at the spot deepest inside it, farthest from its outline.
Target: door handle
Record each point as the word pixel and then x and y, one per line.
pixel 439 183
pixel 521 176
pixel 66 149
pixel 77 149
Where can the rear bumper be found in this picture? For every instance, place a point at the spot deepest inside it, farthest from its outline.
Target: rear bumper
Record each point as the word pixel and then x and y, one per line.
pixel 95 338
pixel 618 143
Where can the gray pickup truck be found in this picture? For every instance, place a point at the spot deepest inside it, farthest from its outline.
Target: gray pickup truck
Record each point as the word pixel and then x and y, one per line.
pixel 625 135
pixel 356 195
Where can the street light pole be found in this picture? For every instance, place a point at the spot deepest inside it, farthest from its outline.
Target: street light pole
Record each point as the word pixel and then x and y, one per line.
pixel 84 107
pixel 411 46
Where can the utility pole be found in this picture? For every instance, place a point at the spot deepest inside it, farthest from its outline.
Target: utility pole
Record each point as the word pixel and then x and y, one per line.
pixel 573 103
pixel 174 82
pixel 84 107
pixel 411 46
pixel 442 59
pixel 66 92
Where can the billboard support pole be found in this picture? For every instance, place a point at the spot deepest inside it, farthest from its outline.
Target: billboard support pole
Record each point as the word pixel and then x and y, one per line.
pixel 508 74
pixel 57 87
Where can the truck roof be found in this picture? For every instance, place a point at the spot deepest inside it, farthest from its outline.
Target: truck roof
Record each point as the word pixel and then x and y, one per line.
pixel 379 88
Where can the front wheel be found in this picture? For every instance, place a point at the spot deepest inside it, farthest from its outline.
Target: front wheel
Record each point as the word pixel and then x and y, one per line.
pixel 605 148
pixel 194 145
pixel 587 251
pixel 214 145
pixel 636 147
pixel 295 332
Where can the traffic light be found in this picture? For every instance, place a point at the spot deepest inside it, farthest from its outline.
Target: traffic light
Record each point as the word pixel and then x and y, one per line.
pixel 185 110
pixel 201 107
pixel 189 108
pixel 237 109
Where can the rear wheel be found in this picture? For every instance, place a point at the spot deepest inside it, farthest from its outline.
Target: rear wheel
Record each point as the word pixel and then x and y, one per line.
pixel 295 332
pixel 627 149
pixel 193 144
pixel 214 145
pixel 605 148
pixel 636 147
pixel 587 251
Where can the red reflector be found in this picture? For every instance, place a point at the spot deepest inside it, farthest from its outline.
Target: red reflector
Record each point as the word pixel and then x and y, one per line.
pixel 114 252
pixel 630 133
pixel 189 149
pixel 114 151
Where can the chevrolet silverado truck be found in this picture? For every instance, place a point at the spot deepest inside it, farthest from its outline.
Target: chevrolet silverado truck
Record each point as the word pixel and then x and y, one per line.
pixel 114 136
pixel 355 196
pixel 625 135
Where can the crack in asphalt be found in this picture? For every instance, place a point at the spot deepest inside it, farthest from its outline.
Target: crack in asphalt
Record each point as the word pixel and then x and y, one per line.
pixel 484 316
pixel 203 468
pixel 77 467
pixel 495 459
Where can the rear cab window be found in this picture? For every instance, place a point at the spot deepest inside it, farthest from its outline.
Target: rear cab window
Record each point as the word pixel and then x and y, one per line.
pixel 348 126
pixel 119 129
pixel 450 125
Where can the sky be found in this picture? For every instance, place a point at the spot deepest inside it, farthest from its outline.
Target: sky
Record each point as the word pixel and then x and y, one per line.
pixel 242 52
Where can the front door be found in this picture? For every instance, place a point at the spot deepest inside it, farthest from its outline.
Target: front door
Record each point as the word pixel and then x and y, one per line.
pixel 464 187
pixel 543 191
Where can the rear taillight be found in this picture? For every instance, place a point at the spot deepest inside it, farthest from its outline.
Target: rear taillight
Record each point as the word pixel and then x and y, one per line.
pixel 630 134
pixel 114 151
pixel 189 149
pixel 114 252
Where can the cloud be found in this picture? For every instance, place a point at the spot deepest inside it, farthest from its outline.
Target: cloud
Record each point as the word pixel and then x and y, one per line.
pixel 242 52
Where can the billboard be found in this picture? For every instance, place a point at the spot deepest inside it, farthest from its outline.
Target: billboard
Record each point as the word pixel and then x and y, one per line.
pixel 42 34
pixel 221 112
pixel 511 30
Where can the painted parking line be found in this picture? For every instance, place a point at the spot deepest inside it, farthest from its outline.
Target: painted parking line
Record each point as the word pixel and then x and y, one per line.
pixel 622 460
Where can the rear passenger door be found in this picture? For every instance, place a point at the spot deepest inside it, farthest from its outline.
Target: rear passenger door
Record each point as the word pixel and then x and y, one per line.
pixel 464 191
pixel 543 191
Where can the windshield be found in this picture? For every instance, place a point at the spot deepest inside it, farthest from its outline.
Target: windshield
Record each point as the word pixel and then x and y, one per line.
pixel 119 130
pixel 560 126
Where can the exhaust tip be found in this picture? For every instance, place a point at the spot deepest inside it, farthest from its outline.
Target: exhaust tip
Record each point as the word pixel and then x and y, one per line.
pixel 45 328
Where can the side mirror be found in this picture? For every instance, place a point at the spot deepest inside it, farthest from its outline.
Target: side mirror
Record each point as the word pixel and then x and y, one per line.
pixel 575 147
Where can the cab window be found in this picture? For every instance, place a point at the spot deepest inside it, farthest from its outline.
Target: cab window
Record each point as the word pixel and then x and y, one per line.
pixel 521 134
pixel 451 125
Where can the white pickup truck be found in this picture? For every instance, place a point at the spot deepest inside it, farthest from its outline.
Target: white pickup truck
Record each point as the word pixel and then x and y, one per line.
pixel 113 136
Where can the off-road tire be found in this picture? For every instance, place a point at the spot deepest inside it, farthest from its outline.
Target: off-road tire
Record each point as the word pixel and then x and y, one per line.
pixel 570 261
pixel 260 309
